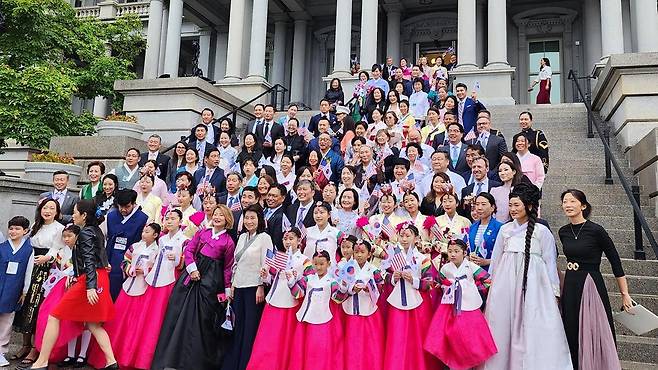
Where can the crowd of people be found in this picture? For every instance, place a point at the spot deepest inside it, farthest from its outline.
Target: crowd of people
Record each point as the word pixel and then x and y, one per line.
pixel 409 238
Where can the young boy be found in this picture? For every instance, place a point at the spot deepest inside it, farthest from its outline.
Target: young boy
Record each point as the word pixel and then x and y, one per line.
pixel 16 263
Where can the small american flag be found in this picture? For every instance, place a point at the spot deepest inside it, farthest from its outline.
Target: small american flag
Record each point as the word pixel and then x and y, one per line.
pixel 398 261
pixel 235 207
pixel 302 230
pixel 373 291
pixel 470 136
pixel 277 260
pixel 387 228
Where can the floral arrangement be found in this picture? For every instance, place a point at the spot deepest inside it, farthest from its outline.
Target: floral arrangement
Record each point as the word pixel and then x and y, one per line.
pixel 52 157
pixel 121 117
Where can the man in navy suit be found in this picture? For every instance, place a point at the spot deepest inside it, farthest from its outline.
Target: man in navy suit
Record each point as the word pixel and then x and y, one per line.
pixel 324 112
pixel 494 146
pixel 301 211
pixel 202 146
pixel 259 109
pixel 481 183
pixel 331 157
pixel 467 108
pixel 274 214
pixel 154 144
pixel 208 119
pixel 455 147
pixel 268 131
pixel 210 178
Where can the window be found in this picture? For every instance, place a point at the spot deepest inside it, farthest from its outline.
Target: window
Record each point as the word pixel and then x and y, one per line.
pixel 545 49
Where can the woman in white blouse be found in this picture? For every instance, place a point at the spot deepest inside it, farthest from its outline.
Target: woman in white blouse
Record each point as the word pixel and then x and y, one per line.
pixel 544 81
pixel 247 290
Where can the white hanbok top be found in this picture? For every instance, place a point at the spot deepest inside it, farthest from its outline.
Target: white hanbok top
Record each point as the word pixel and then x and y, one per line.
pixel 142 256
pixel 470 298
pixel 163 271
pixel 405 295
pixel 317 297
pixel 321 240
pixel 280 294
pixel 360 304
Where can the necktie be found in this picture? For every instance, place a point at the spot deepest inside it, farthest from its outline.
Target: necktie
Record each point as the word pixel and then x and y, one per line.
pixel 478 188
pixel 267 129
pixel 461 112
pixel 231 202
pixel 199 145
pixel 300 215
pixel 454 156
pixel 483 140
pixel 268 214
pixel 253 130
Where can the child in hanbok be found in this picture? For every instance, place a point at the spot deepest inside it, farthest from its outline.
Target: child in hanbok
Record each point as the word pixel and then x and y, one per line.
pixel 132 309
pixel 459 335
pixel 451 222
pixel 275 336
pixel 363 322
pixel 318 339
pixel 409 313
pixel 322 236
pixel 59 280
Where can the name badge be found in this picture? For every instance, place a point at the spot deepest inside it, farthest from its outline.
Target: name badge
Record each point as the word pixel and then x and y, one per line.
pixel 12 268
pixel 120 243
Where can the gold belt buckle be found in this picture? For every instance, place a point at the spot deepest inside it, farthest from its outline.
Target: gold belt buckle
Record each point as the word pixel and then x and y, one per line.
pixel 572 266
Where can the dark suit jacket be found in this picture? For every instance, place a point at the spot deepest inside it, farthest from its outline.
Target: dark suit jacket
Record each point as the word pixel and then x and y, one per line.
pixel 161 159
pixel 276 131
pixel 274 228
pixel 385 72
pixel 207 149
pixel 408 89
pixel 470 114
pixel 440 144
pixel 216 132
pixel 217 180
pixel 67 205
pixel 296 145
pixel 291 212
pixel 250 126
pixel 469 189
pixel 313 123
pixel 494 151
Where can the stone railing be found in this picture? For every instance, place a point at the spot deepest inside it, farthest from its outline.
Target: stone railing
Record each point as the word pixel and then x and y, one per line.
pixel 108 10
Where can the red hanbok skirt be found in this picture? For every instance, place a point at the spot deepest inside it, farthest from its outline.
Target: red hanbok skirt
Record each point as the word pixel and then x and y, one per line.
pixel 74 305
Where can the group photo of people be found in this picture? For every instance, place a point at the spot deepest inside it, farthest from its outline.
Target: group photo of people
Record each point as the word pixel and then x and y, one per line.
pixel 396 229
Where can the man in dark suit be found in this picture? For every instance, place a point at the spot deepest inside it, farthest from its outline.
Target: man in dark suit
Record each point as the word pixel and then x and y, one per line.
pixel 324 112
pixel 202 146
pixel 472 151
pixel 494 146
pixel 492 130
pixel 467 108
pixel 455 147
pixel 295 143
pixel 210 178
pixel 208 119
pixel 268 131
pixel 301 211
pixel 248 197
pixel 154 144
pixel 65 198
pixel 480 180
pixel 231 198
pixel 274 214
pixel 388 69
pixel 259 109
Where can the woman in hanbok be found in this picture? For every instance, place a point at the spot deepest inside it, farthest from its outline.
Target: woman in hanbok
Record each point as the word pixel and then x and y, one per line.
pixel 132 309
pixel 277 327
pixel 450 222
pixel 522 308
pixel 189 338
pixel 363 321
pixel 318 338
pixel 151 204
pixel 409 313
pixel 410 201
pixel 459 335
pixel 345 215
pixel 95 171
pixel 586 310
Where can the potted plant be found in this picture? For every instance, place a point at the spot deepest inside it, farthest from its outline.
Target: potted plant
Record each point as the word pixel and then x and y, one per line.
pixel 120 125
pixel 41 166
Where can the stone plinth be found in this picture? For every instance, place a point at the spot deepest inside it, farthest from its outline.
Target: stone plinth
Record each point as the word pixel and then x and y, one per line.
pixel 246 89
pixel 13 158
pixel 495 85
pixel 170 107
pixel 19 197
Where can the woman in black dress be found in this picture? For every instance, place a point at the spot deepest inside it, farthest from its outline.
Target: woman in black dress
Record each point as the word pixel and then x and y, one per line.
pixel 587 316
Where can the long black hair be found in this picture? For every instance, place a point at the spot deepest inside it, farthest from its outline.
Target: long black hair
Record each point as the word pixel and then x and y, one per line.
pixel 39 221
pixel 529 196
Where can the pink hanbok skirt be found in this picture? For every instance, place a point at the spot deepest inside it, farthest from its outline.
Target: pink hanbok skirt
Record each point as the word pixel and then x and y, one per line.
pixel 276 334
pixel 364 348
pixel 318 346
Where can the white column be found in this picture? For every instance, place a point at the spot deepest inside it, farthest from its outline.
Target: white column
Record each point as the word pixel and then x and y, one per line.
pixel 497 34
pixel 645 26
pixel 369 10
pixel 258 39
pixel 234 47
pixel 592 34
pixel 100 102
pixel 612 31
pixel 465 35
pixel 393 33
pixel 298 61
pixel 204 51
pixel 172 54
pixel 163 39
pixel 343 46
pixel 220 55
pixel 152 54
pixel 279 57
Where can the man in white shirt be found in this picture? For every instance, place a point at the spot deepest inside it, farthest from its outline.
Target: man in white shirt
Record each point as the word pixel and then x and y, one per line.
pixel 413 136
pixel 440 160
pixel 259 109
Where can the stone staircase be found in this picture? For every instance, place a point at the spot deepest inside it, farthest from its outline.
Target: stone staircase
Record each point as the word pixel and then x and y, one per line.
pixel 578 162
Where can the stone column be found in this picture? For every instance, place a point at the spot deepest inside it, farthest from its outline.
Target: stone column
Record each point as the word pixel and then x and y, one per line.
pixel 497 34
pixel 220 55
pixel 258 39
pixel 393 32
pixel 234 42
pixel 101 104
pixel 645 26
pixel 163 39
pixel 298 61
pixel 343 47
pixel 172 54
pixel 465 35
pixel 152 54
pixel 279 58
pixel 369 10
pixel 612 31
pixel 592 34
pixel 204 51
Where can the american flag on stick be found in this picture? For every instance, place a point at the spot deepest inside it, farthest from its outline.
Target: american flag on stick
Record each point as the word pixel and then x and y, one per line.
pixel 277 260
pixel 470 135
pixel 387 228
pixel 397 261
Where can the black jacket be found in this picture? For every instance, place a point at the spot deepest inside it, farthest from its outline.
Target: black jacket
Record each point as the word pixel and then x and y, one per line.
pixel 89 254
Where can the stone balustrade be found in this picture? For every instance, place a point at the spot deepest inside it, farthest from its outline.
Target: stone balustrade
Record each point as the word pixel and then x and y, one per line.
pixel 108 10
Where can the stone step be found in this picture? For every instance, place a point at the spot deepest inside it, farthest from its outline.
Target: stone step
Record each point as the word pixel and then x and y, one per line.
pixel 636 284
pixel 637 349
pixel 577 179
pixel 630 365
pixel 650 302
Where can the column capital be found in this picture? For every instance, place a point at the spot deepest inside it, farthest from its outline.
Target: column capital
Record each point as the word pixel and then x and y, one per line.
pixel 204 31
pixel 280 17
pixel 393 7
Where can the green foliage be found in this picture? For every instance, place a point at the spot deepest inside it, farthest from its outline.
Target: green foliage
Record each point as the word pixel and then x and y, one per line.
pixel 48 56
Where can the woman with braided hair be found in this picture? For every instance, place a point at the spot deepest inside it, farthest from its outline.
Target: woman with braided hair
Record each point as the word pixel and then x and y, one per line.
pixel 522 308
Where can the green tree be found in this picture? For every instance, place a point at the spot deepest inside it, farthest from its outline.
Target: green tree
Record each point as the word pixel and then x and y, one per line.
pixel 47 57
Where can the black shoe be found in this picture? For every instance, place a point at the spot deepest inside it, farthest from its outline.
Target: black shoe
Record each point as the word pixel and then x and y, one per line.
pixel 114 366
pixel 39 368
pixel 67 362
pixel 80 362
